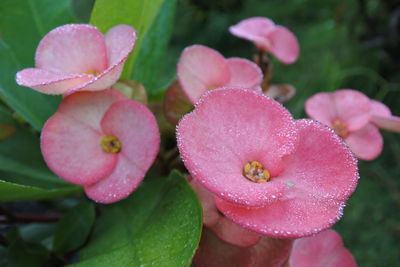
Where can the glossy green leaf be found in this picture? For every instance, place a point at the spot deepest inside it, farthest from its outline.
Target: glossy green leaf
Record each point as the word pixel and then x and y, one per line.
pixel 22 254
pixel 137 13
pixel 150 62
pixel 22 25
pixel 73 229
pixel 23 173
pixel 159 225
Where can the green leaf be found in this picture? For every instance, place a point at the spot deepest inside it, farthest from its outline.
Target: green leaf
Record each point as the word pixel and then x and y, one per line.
pixel 22 25
pixel 150 61
pixel 73 229
pixel 137 13
pixel 22 254
pixel 159 225
pixel 23 173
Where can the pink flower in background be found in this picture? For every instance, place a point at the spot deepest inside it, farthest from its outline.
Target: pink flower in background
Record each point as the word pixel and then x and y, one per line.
pixel 103 141
pixel 268 37
pixel 225 229
pixel 201 69
pixel 269 173
pixel 324 249
pixel 78 57
pixel 354 117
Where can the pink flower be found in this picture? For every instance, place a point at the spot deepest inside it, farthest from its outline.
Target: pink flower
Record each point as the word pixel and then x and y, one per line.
pixel 354 117
pixel 269 173
pixel 77 57
pixel 103 141
pixel 225 229
pixel 268 37
pixel 324 249
pixel 201 69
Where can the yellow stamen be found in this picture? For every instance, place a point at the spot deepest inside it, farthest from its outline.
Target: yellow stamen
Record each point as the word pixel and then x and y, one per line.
pixel 254 171
pixel 340 128
pixel 212 87
pixel 110 144
pixel 92 72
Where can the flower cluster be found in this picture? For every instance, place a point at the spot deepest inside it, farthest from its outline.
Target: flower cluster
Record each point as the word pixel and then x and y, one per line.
pixel 97 138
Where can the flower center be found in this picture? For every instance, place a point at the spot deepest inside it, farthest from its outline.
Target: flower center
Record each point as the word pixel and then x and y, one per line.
pixel 212 87
pixel 110 144
pixel 254 171
pixel 92 72
pixel 340 128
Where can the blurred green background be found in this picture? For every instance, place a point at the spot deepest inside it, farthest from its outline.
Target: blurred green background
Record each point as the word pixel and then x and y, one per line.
pixel 344 44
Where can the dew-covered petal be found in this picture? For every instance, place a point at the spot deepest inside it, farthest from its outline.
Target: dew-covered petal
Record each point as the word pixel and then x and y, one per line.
pixel 321 107
pixel 322 164
pixel 200 69
pixel 89 107
pixel 254 29
pixel 229 128
pixel 71 149
pixel 124 179
pixel 324 249
pixel 366 143
pixel 284 45
pixel 72 48
pixel 49 82
pixel 353 108
pixel 292 217
pixel 244 73
pixel 136 129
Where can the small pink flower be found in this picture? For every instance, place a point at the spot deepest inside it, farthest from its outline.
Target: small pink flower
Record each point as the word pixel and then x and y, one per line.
pixel 103 141
pixel 324 249
pixel 225 229
pixel 77 57
pixel 354 117
pixel 270 174
pixel 201 69
pixel 268 37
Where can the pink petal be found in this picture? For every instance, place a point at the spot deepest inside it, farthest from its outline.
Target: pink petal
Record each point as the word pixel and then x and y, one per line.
pixel 366 143
pixel 223 228
pixel 120 41
pixel 136 128
pixel 380 109
pixel 320 175
pixel 244 73
pixel 254 29
pixel 324 249
pixel 49 82
pixel 234 234
pixel 284 45
pixel 72 48
pixel 71 149
pixel 229 128
pixel 321 107
pixel 89 107
pixel 353 108
pixel 322 165
pixel 291 217
pixel 382 117
pixel 200 69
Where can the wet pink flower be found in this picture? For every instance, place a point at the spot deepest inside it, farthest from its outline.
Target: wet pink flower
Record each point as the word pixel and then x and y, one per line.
pixel 354 117
pixel 201 69
pixel 77 57
pixel 103 141
pixel 268 37
pixel 270 174
pixel 324 249
pixel 225 229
